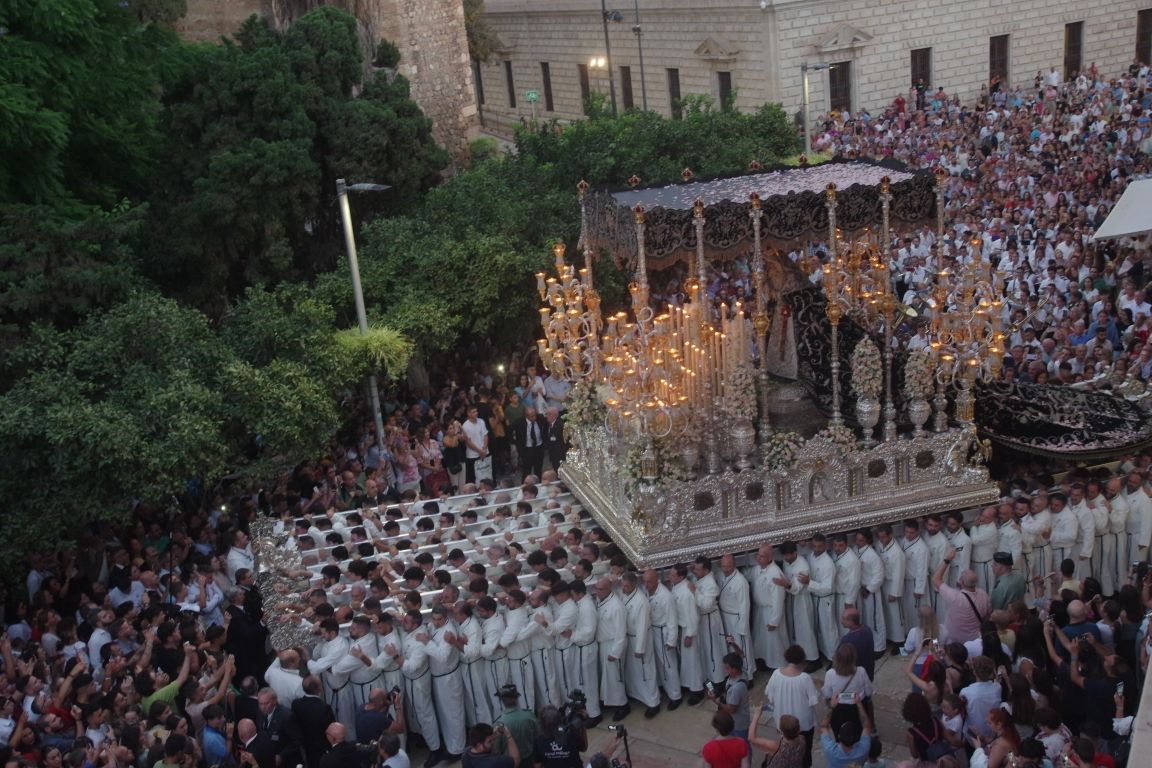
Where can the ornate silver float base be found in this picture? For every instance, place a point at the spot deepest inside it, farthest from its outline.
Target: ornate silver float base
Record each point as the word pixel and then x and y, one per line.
pixel 657 524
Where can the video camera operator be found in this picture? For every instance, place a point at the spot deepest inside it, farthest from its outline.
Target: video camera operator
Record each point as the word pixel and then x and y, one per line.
pixel 563 734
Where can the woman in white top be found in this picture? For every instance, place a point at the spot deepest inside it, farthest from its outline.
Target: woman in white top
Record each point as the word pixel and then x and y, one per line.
pixel 843 680
pixel 790 691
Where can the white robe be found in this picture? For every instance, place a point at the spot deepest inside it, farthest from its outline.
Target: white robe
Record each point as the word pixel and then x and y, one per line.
pixel 823 572
pixel 447 687
pixel 584 665
pixel 1086 540
pixel 358 681
pixel 1065 536
pixel 543 650
pixel 735 607
pixel 1010 539
pixel 496 655
pixel 663 636
pixel 478 699
pixel 937 544
pixel 893 557
pixel 710 643
pixel 561 628
pixel 688 624
pixel 287 683
pixel 1115 573
pixel 639 661
pixel 324 657
pixel 516 640
pixel 799 611
pixel 985 539
pixel 846 587
pixel 1139 527
pixel 420 708
pixel 612 634
pixel 392 677
pixel 915 578
pixel 1032 528
pixel 1099 507
pixel 769 630
pixel 872 596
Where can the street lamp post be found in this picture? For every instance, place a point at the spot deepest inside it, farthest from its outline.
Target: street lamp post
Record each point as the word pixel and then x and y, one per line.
pixel 342 190
pixel 805 68
pixel 607 16
pixel 639 32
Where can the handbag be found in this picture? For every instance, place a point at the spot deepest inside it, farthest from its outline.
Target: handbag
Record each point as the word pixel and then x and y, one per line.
pixel 484 468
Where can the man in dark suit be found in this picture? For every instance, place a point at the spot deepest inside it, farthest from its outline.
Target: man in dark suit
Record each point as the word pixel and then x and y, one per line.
pixel 313 716
pixel 255 750
pixel 554 439
pixel 279 726
pixel 530 434
pixel 341 753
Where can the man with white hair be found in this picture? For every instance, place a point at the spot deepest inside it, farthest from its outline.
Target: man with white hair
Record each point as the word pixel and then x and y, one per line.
pixel 639 661
pixel 735 606
pixel 769 597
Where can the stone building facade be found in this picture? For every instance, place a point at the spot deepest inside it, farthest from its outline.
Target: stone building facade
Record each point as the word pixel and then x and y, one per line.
pixel 429 33
pixel 752 51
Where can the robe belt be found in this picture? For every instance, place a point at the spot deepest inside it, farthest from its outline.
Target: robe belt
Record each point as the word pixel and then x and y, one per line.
pixel 448 672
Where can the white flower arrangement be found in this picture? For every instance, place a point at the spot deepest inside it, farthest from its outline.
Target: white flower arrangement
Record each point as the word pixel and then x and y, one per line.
pixel 739 402
pixel 918 375
pixel 584 406
pixel 867 374
pixel 781 449
pixel 841 436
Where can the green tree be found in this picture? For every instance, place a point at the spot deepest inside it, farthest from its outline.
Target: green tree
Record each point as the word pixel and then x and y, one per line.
pixel 482 39
pixel 256 132
pixel 78 103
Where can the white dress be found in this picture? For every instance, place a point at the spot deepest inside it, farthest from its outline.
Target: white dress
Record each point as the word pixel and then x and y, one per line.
pixel 794 695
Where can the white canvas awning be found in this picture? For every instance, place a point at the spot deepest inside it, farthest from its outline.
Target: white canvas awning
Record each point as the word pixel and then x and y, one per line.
pixel 1132 215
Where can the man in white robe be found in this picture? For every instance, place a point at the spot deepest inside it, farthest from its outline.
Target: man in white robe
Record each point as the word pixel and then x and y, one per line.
pixel 932 530
pixel 735 607
pixel 846 589
pixel 560 627
pixel 517 641
pixel 1115 572
pixel 491 649
pixel 915 571
pixel 357 679
pixel 663 634
pixel 712 645
pixel 1036 532
pixel 1087 530
pixel 1099 506
pixel 821 583
pixel 688 627
pixel 872 589
pixel 383 663
pixel 478 699
pixel 283 676
pixel 769 598
pixel 331 649
pixel 543 649
pixel 984 537
pixel 639 661
pixel 799 612
pixel 584 669
pixel 413 660
pixel 892 554
pixel 1009 536
pixel 612 634
pixel 447 680
pixel 1139 527
pixel 1065 530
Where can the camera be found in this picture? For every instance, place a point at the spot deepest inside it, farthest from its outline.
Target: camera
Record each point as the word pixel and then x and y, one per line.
pixel 572 716
pixel 367 755
pixel 619 729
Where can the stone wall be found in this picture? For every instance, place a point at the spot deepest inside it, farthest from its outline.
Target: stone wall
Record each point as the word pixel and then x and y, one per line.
pixel 429 33
pixel 763 49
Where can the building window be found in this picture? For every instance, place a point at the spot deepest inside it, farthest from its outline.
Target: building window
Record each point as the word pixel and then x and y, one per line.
pixel 546 78
pixel 585 87
pixel 724 90
pixel 626 88
pixel 1144 36
pixel 511 85
pixel 478 76
pixel 840 86
pixel 922 66
pixel 998 59
pixel 1073 49
pixel 674 94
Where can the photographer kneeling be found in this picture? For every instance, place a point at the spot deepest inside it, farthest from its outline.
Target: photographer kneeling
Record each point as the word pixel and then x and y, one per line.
pixel 562 738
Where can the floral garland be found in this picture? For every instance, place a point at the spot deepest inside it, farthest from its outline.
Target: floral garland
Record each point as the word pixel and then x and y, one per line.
pixel 781 449
pixel 739 402
pixel 841 436
pixel 671 465
pixel 584 406
pixel 866 370
pixel 918 375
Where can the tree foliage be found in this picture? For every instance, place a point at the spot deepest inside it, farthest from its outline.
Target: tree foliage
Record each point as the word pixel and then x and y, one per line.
pixel 482 39
pixel 78 106
pixel 256 133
